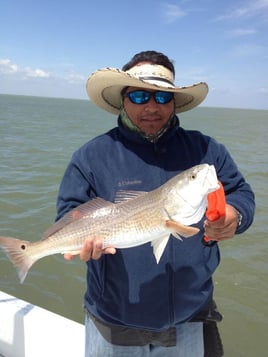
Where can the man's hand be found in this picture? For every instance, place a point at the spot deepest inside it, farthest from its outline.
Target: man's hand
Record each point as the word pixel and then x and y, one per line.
pixel 92 249
pixel 224 227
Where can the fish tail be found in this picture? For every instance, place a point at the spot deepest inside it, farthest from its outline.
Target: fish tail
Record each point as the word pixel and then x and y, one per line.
pixel 17 252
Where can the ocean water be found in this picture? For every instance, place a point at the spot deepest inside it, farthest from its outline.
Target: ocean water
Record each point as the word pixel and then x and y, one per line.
pixel 37 139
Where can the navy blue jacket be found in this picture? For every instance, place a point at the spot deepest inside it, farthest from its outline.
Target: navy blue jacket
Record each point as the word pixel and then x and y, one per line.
pixel 129 288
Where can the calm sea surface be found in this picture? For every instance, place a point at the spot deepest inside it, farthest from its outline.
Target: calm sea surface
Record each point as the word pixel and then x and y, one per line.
pixel 37 139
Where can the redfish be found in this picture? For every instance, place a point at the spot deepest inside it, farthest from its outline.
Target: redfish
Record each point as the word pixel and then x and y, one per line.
pixel 134 219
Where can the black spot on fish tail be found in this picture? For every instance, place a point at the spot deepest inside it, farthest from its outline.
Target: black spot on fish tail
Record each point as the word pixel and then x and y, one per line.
pixel 17 252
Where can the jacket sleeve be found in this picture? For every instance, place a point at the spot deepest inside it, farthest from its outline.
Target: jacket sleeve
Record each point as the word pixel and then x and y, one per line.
pixel 76 186
pixel 238 192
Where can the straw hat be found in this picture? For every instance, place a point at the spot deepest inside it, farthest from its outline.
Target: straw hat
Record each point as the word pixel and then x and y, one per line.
pixel 105 85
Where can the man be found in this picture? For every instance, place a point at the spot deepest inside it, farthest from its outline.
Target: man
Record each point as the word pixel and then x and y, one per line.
pixel 135 306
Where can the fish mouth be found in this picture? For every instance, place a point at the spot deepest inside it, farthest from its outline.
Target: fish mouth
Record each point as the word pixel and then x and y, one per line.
pixel 211 178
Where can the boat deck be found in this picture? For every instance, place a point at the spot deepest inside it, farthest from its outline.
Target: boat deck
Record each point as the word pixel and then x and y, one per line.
pixel 21 323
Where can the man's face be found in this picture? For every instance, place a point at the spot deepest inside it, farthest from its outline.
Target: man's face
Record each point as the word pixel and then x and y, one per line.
pixel 149 117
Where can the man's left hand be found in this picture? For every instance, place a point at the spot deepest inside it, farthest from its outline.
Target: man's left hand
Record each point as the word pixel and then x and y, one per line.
pixel 224 227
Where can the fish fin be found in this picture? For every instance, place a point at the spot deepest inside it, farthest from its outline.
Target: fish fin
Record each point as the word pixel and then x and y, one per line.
pixel 17 252
pixel 79 212
pixel 159 246
pixel 181 229
pixel 124 196
pixel 176 235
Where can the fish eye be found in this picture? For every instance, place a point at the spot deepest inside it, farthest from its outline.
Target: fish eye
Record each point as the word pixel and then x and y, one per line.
pixel 23 246
pixel 193 177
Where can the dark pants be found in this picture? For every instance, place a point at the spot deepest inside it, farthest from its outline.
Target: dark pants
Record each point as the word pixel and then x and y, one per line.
pixel 212 341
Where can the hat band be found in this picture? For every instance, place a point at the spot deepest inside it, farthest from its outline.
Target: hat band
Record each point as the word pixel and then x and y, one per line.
pixel 157 79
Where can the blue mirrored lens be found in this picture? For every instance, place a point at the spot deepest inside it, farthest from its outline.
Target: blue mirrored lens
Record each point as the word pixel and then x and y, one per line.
pixel 139 96
pixel 163 97
pixel 143 97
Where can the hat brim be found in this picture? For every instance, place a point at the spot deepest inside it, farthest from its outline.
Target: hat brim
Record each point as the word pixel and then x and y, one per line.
pixel 105 85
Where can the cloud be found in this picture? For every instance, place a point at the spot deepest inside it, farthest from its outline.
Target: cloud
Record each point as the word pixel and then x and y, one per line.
pixel 36 73
pixel 263 90
pixel 250 8
pixel 240 32
pixel 260 4
pixel 248 49
pixel 173 12
pixel 8 68
pixel 75 78
pixel 190 75
pixel 16 79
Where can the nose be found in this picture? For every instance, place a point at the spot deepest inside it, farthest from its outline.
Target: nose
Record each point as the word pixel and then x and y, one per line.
pixel 151 105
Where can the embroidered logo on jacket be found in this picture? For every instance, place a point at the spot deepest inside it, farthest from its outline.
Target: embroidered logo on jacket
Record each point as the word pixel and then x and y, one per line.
pixel 129 182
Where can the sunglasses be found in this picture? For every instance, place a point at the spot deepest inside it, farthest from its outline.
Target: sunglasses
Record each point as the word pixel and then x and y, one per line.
pixel 143 97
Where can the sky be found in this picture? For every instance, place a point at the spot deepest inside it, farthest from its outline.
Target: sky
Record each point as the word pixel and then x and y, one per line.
pixel 49 48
